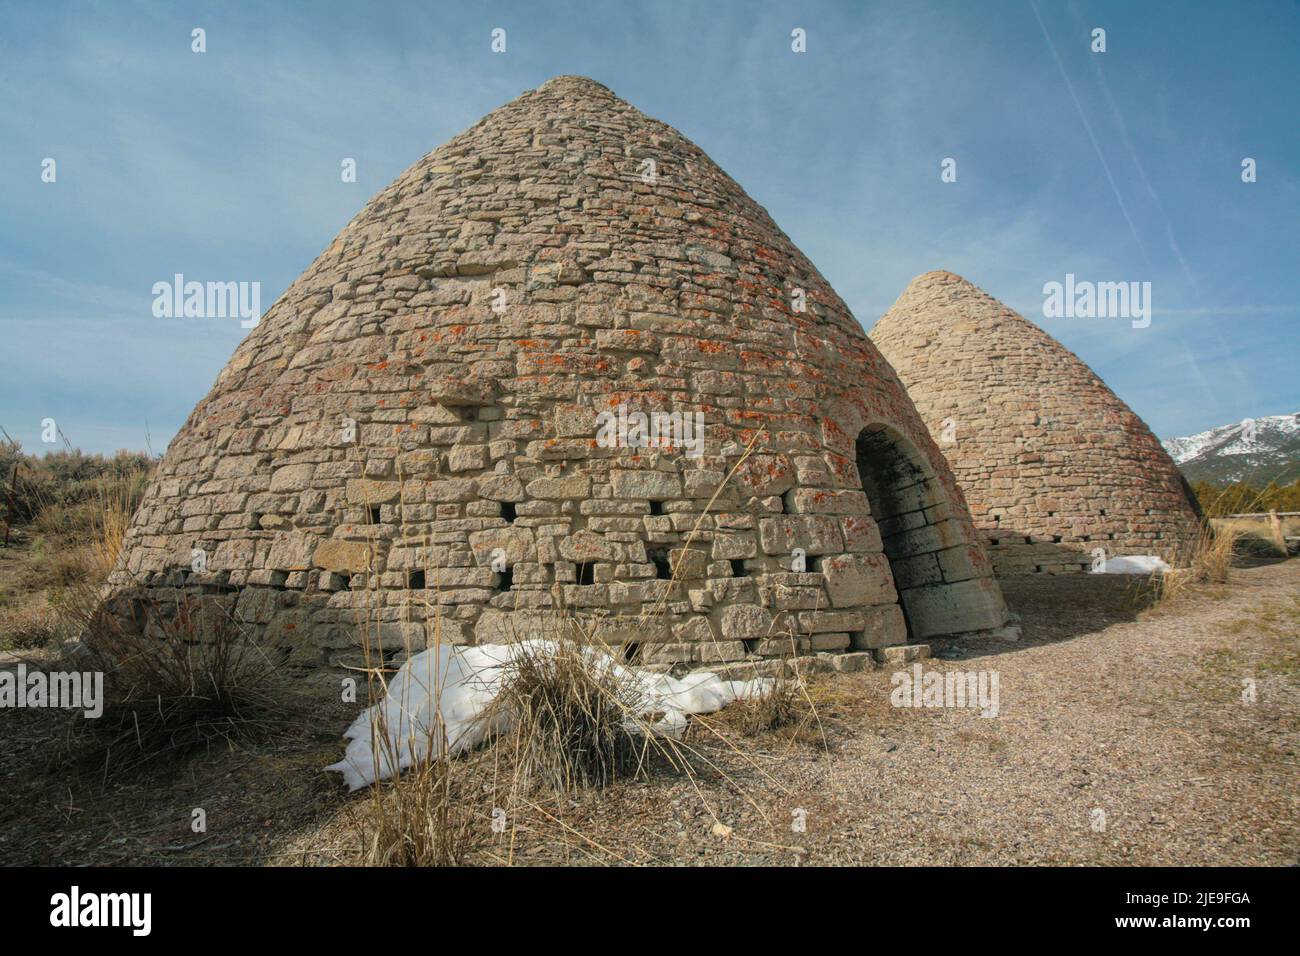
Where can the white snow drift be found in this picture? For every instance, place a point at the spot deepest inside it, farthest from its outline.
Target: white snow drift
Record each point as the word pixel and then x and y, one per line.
pixel 1134 564
pixel 449 688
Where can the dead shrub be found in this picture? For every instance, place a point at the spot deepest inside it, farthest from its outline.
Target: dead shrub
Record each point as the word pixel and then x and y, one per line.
pixel 179 677
pixel 577 721
pixel 782 704
pixel 420 819
pixel 30 628
pixel 1208 560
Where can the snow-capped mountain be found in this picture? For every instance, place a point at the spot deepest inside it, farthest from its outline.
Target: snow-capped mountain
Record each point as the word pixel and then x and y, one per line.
pixel 1258 450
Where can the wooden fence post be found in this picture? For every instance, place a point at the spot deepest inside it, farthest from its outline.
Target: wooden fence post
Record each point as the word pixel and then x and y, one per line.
pixel 13 507
pixel 1275 526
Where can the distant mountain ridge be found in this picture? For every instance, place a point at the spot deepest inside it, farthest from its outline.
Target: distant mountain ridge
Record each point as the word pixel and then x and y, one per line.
pixel 1255 450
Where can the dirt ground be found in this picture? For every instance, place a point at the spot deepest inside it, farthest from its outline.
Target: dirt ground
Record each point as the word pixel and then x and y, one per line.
pixel 1122 737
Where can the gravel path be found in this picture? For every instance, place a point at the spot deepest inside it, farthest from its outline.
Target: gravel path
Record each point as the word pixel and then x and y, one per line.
pixel 1102 710
pixel 1139 718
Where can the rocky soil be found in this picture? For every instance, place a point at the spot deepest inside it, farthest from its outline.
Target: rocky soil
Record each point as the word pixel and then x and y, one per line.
pixel 1122 738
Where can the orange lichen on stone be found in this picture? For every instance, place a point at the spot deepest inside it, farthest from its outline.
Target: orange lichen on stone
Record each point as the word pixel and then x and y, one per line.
pixel 478 433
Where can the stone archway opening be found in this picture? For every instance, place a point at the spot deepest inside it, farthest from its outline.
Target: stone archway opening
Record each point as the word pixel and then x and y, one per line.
pixel 942 588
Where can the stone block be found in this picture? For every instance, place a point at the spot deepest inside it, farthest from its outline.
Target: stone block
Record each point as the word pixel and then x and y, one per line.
pixel 292 552
pixel 467 458
pixel 856 579
pixel 686 564
pixel 292 478
pixel 501 488
pixel 935 610
pixel 336 555
pixel 366 491
pixel 583 547
pixel 515 543
pixel 829 501
pixel 745 621
pixel 904 654
pixel 656 485
pixel 815 534
pixel 883 626
pixel 571 487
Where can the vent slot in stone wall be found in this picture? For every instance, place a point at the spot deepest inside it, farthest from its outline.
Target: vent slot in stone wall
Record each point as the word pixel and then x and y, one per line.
pixel 457 418
pixel 663 567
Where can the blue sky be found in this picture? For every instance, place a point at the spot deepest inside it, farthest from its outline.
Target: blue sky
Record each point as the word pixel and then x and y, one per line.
pixel 1122 166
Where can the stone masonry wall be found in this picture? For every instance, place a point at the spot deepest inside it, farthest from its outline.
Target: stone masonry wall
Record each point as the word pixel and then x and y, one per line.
pixel 938 571
pixel 565 256
pixel 1053 464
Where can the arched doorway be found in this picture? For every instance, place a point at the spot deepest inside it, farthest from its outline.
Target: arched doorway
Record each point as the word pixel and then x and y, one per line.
pixel 944 581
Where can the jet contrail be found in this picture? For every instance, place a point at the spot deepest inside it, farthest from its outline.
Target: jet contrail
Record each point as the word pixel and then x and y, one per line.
pixel 1087 126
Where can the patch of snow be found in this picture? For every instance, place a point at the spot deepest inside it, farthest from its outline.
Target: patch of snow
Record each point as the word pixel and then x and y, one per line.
pixel 449 688
pixel 1246 437
pixel 1133 564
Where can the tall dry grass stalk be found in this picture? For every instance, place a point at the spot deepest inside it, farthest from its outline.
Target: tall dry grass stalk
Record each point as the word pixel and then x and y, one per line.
pixel 1208 560
pixel 422 817
pixel 577 720
pixel 115 502
pixel 77 545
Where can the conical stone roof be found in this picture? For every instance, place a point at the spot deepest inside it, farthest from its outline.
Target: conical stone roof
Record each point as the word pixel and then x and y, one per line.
pixel 414 429
pixel 1053 464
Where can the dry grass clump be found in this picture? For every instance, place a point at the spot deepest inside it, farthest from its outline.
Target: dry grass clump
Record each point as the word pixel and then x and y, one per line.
pixel 577 719
pixel 180 677
pixel 30 628
pixel 421 819
pixel 788 708
pixel 46 492
pixel 76 547
pixel 783 704
pixel 1208 561
pixel 422 816
pixel 52 566
pixel 76 533
pixel 115 502
pixel 1212 558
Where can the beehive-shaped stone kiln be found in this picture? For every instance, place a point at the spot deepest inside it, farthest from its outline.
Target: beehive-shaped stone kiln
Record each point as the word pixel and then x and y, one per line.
pixel 1057 470
pixel 438 419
